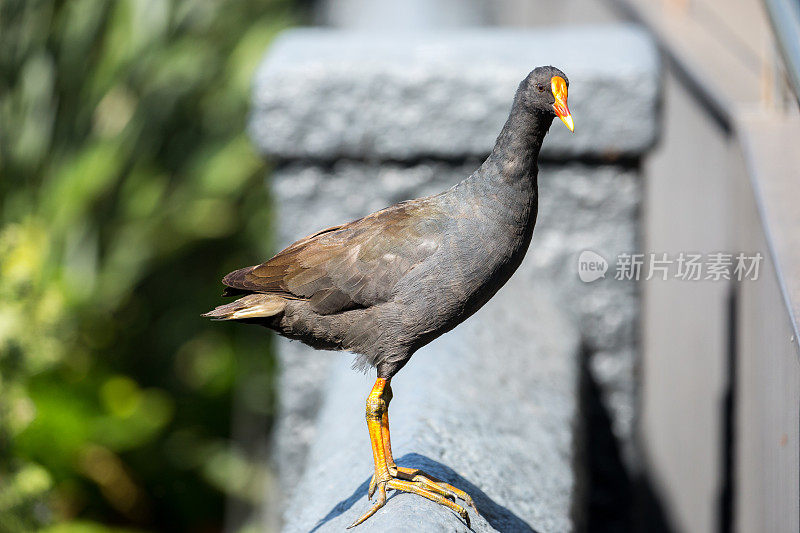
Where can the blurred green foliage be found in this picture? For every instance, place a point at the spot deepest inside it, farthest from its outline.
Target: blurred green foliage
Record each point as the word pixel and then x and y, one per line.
pixel 127 188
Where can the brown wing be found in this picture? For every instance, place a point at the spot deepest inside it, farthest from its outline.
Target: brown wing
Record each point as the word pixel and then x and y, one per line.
pixel 352 265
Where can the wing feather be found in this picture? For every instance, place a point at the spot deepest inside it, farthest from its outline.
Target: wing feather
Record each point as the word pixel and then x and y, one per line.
pixel 351 265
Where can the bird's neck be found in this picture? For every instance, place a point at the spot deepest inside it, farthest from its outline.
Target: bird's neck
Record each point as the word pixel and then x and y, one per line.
pixel 513 158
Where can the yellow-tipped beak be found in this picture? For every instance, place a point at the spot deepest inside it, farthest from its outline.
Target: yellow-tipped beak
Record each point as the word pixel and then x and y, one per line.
pixel 559 88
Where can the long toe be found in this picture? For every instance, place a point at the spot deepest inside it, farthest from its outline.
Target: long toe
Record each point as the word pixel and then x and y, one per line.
pixel 421 490
pixel 412 481
pixel 434 484
pixel 372 486
pixel 374 509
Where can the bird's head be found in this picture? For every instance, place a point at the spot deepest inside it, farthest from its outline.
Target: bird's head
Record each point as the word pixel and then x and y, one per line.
pixel 545 90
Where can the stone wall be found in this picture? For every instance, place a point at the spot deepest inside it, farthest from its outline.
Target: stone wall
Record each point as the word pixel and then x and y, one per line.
pixel 356 121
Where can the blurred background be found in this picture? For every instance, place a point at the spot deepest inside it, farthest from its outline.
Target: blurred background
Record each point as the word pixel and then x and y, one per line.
pixel 129 185
pixel 127 188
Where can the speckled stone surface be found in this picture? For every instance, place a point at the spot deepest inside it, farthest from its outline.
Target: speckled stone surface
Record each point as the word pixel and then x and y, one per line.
pixel 581 207
pixel 491 409
pixel 357 121
pixel 326 94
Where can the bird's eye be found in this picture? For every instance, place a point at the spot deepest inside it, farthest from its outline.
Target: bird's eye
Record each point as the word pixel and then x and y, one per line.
pixel 540 87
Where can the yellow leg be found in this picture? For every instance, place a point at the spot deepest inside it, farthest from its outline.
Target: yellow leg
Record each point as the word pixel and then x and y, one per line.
pixel 412 474
pixel 388 475
pixel 387 441
pixel 376 406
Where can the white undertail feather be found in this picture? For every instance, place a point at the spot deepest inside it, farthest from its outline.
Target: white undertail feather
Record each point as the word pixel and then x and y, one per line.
pixel 250 306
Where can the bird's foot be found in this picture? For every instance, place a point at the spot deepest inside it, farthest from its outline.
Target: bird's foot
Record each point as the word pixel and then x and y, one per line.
pixel 416 475
pixel 417 482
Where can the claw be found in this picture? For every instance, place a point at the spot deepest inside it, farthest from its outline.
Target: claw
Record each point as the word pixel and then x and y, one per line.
pixel 372 486
pixel 380 503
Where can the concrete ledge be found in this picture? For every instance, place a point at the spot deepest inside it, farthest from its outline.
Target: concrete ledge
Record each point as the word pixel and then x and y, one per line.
pixel 490 407
pixel 326 94
pixel 359 121
pixel 582 207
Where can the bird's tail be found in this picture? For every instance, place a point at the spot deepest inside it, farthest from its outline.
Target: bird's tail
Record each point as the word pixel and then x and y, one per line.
pixel 250 306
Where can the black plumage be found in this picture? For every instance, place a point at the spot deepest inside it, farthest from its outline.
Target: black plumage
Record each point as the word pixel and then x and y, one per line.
pixel 387 284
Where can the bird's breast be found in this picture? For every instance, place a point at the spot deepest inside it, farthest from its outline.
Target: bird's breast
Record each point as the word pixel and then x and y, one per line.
pixel 480 249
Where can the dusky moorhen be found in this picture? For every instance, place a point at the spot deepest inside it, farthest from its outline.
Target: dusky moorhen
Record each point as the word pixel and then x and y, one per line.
pixel 387 284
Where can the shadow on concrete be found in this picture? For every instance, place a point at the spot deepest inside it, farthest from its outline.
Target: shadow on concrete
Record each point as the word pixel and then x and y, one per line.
pixel 343 505
pixel 615 500
pixel 498 517
pixel 608 487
